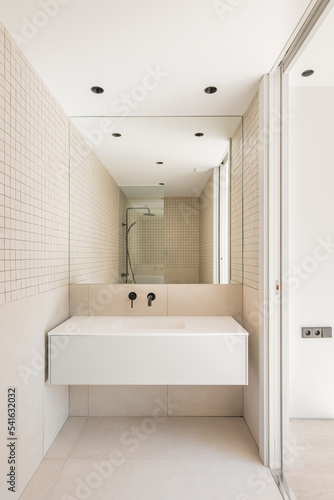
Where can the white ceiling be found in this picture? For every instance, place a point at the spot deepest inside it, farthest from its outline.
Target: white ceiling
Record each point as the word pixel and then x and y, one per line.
pixel 112 42
pixel 156 192
pixel 317 55
pixel 118 44
pixel 131 158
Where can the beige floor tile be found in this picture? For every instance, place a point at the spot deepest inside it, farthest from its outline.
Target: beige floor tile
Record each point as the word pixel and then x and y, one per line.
pixel 312 486
pixel 44 479
pixel 173 438
pixel 66 438
pixel 311 471
pixel 313 462
pixel 165 480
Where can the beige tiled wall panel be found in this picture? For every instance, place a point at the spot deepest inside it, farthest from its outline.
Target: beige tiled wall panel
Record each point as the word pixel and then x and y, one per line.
pixel 250 313
pixel 34 180
pixel 79 401
pixel 205 400
pixel 251 195
pixel 94 216
pixel 125 400
pixel 181 275
pixel 236 206
pixel 205 300
pixel 122 400
pixel 182 232
pixel 113 300
pixel 171 300
pixel 206 232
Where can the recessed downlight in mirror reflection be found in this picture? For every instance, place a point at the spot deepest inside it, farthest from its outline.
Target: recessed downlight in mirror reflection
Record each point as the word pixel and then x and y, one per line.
pixel 97 90
pixel 210 90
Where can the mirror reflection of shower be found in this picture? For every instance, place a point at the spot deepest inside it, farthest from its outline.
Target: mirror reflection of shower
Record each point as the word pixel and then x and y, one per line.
pixel 128 264
pixel 141 234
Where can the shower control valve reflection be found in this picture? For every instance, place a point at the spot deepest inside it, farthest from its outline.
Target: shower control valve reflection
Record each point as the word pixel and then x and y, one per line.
pixel 132 296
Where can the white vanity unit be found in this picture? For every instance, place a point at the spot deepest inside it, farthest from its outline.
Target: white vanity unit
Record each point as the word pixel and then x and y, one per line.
pixel 155 350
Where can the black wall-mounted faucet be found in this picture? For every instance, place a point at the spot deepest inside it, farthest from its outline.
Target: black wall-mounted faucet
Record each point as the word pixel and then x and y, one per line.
pixel 132 296
pixel 150 297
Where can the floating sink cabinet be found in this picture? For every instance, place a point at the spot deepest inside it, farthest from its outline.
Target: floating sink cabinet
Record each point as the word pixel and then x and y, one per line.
pixel 155 350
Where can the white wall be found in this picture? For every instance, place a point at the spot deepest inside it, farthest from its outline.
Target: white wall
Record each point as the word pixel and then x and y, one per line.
pixel 41 409
pixel 311 267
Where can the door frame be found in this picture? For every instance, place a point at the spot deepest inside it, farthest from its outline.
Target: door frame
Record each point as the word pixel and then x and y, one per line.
pixel 269 255
pixel 224 216
pixel 274 262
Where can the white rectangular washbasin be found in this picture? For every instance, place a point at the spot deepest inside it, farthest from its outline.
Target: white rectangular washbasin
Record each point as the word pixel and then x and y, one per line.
pixel 151 323
pixel 155 350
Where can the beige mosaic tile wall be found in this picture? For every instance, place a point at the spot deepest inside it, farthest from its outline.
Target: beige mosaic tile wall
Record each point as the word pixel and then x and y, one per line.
pixel 122 233
pixel 181 239
pixel 250 301
pixel 206 233
pixel 236 206
pixel 34 180
pixel 94 216
pixel 251 195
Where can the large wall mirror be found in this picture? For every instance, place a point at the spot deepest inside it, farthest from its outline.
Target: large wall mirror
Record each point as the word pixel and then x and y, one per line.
pixel 156 200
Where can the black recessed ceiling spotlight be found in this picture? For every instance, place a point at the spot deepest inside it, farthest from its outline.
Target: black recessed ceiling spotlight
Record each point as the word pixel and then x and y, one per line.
pixel 199 134
pixel 210 90
pixel 161 183
pixel 308 72
pixel 116 134
pixel 159 162
pixel 97 90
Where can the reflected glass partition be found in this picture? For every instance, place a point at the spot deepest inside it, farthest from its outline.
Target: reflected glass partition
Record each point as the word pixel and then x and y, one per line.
pixel 142 235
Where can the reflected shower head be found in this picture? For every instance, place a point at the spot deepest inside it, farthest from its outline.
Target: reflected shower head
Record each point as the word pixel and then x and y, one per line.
pixel 149 213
